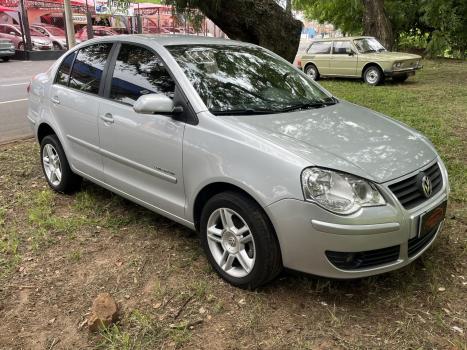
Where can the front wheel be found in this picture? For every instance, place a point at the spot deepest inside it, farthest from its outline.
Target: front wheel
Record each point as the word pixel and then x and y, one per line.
pixel 373 75
pixel 55 166
pixel 5 59
pixel 239 240
pixel 56 46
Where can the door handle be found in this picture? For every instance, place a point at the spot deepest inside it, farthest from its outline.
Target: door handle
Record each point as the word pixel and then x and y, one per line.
pixel 55 100
pixel 107 118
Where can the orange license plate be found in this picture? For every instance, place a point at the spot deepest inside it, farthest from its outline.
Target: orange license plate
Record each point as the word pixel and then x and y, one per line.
pixel 431 219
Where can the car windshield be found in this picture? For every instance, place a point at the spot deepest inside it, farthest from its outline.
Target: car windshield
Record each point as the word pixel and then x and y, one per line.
pixel 233 79
pixel 368 45
pixel 35 32
pixel 55 31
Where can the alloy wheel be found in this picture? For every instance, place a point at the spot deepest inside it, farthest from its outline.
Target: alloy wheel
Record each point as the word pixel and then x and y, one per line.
pixel 52 165
pixel 231 242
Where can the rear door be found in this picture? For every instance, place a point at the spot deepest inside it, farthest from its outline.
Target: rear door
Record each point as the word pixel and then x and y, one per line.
pixel 75 102
pixel 142 153
pixel 343 59
pixel 319 53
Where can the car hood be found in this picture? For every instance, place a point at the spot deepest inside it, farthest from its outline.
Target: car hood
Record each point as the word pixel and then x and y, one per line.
pixel 344 137
pixel 40 39
pixel 396 56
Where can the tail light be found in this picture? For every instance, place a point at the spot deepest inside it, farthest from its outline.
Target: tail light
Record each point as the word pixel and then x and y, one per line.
pixel 299 63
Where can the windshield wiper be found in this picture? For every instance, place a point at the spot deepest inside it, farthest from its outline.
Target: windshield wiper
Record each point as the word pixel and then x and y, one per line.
pixel 244 111
pixel 308 105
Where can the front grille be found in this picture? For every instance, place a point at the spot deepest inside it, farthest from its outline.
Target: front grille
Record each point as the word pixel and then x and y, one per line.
pixel 5 45
pixel 418 243
pixel 408 191
pixel 361 260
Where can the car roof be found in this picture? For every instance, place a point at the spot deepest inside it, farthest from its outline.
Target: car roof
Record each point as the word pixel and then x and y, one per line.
pixel 343 38
pixel 171 39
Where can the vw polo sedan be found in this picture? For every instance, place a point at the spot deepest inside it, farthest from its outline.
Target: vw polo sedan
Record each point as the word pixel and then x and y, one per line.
pixel 232 141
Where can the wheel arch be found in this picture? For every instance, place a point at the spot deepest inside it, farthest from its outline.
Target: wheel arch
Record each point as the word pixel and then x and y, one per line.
pixel 310 64
pixel 43 130
pixel 369 64
pixel 210 190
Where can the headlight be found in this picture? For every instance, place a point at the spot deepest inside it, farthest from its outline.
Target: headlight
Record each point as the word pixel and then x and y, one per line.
pixel 338 192
pixel 397 64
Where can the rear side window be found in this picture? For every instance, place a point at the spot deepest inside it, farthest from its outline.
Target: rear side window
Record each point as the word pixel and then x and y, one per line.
pixel 63 73
pixel 87 70
pixel 320 47
pixel 138 71
pixel 341 47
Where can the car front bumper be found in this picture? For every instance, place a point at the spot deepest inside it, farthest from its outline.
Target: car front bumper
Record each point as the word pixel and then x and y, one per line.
pixel 402 71
pixel 307 233
pixel 7 52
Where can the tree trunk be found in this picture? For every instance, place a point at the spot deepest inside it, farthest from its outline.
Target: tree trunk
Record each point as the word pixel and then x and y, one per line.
pixel 261 22
pixel 288 6
pixel 376 23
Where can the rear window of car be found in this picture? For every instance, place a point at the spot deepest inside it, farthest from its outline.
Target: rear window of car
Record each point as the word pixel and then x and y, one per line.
pixel 87 70
pixel 63 73
pixel 320 47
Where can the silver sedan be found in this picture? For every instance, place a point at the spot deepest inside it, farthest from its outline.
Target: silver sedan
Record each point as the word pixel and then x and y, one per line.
pixel 230 140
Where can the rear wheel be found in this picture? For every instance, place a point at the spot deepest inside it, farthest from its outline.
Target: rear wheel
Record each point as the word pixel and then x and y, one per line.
pixel 239 240
pixel 312 71
pixel 400 78
pixel 373 75
pixel 55 166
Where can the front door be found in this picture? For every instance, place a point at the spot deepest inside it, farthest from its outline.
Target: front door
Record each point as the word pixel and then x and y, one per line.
pixel 142 153
pixel 74 100
pixel 343 59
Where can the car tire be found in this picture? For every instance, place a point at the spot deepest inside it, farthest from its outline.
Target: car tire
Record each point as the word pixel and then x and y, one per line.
pixel 21 46
pixel 57 46
pixel 312 71
pixel 373 75
pixel 239 240
pixel 5 59
pixel 55 166
pixel 400 78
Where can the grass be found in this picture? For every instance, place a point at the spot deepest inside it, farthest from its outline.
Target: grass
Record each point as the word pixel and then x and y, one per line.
pixel 58 252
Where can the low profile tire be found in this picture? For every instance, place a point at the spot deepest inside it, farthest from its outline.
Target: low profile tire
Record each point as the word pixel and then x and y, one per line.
pixel 56 168
pixel 239 240
pixel 21 46
pixel 400 78
pixel 312 71
pixel 5 59
pixel 56 46
pixel 373 75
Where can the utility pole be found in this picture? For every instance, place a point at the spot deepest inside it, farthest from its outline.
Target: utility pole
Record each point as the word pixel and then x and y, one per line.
pixel 88 22
pixel 70 29
pixel 25 29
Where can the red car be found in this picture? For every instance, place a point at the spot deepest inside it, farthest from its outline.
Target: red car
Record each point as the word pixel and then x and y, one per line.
pixel 82 34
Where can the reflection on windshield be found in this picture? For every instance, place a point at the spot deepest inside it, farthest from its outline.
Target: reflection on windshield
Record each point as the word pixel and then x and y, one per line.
pixel 246 80
pixel 368 45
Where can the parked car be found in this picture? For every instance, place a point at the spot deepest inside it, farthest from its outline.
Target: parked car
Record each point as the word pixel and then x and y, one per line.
pixel 7 49
pixel 82 34
pixel 229 139
pixel 13 33
pixel 357 57
pixel 57 35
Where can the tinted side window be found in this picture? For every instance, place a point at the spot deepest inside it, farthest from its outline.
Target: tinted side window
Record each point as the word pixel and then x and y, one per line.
pixel 139 71
pixel 63 73
pixel 341 47
pixel 320 47
pixel 87 70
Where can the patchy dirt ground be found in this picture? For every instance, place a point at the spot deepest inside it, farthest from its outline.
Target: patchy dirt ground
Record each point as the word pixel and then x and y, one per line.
pixel 57 253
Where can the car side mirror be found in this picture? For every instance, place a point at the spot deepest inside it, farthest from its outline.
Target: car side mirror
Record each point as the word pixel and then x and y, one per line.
pixel 156 104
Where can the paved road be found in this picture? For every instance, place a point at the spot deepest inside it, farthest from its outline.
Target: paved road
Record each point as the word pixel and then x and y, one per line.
pixel 14 79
